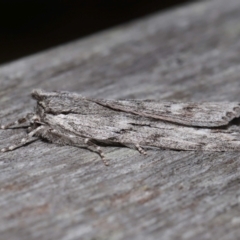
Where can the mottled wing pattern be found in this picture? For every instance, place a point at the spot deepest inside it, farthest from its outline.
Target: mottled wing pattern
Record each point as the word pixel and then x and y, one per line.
pixel 71 119
pixel 205 114
pixel 69 103
pixel 132 130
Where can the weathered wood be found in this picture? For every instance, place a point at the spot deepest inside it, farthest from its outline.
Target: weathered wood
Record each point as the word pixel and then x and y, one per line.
pixel 52 192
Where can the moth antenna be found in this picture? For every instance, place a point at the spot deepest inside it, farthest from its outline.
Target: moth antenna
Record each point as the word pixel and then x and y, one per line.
pixel 18 122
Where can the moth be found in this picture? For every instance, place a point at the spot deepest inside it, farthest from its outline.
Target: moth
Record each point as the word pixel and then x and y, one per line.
pixel 67 118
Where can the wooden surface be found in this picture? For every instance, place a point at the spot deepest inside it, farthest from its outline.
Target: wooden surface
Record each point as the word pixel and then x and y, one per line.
pixel 52 192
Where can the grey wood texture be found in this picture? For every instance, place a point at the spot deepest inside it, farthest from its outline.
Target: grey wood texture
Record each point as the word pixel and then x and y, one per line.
pixel 52 192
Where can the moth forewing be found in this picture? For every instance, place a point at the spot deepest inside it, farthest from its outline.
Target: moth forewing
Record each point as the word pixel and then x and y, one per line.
pixel 202 114
pixel 70 119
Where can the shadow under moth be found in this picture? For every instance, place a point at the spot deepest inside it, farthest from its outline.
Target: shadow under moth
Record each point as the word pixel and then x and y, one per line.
pixel 70 119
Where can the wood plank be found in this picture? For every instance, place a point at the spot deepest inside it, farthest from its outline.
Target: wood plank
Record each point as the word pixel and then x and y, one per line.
pixel 52 192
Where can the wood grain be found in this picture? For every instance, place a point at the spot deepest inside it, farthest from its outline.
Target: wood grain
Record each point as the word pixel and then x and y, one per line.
pixel 52 192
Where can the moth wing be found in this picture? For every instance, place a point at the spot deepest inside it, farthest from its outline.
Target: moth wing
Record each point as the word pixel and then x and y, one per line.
pixel 205 114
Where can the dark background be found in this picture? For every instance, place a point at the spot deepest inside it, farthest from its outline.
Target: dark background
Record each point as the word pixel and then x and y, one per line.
pixel 29 26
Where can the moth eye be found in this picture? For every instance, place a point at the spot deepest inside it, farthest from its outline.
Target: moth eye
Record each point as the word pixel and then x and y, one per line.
pixel 224 118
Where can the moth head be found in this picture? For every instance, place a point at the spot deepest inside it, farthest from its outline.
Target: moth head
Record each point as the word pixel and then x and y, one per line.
pixel 38 94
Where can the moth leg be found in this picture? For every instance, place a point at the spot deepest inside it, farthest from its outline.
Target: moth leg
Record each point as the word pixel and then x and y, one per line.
pixel 18 122
pixel 135 146
pixel 24 141
pixel 140 149
pixel 57 137
pixel 94 147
